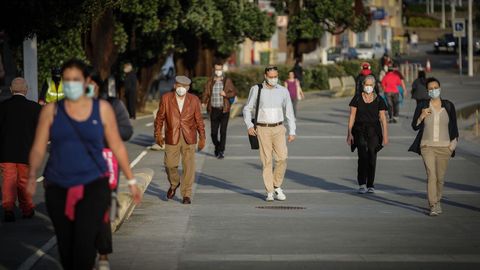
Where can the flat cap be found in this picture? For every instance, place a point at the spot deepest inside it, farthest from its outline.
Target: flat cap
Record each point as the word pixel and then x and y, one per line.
pixel 183 80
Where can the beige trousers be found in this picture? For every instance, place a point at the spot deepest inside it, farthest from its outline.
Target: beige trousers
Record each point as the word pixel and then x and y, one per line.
pixel 436 162
pixel 172 159
pixel 272 141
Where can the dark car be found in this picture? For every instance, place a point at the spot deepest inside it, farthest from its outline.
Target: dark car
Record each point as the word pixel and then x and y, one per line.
pixel 448 43
pixel 337 54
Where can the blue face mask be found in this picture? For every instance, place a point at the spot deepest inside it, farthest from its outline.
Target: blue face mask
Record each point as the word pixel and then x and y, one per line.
pixel 91 91
pixel 434 93
pixel 73 90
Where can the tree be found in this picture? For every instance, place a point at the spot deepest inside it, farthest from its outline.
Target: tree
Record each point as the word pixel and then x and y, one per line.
pixel 310 19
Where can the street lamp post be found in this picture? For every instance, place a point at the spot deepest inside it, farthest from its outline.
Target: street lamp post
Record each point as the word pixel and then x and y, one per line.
pixel 443 14
pixel 470 38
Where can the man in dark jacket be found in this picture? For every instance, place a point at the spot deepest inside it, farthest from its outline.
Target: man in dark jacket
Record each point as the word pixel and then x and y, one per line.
pixel 18 121
pixel 130 89
pixel 217 96
pixel 419 87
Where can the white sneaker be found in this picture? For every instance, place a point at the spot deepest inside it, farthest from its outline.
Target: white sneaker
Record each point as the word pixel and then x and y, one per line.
pixel 280 195
pixel 370 190
pixel 362 189
pixel 103 265
pixel 438 208
pixel 269 197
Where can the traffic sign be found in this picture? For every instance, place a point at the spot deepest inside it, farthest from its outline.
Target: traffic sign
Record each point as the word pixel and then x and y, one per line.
pixel 459 27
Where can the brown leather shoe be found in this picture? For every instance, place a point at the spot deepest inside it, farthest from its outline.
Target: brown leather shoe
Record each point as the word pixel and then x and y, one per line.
pixel 186 200
pixel 171 192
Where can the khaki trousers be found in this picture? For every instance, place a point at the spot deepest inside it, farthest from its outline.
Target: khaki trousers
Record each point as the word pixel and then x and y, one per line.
pixel 272 140
pixel 436 162
pixel 172 159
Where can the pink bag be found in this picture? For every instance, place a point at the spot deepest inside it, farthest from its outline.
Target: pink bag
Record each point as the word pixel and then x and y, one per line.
pixel 112 168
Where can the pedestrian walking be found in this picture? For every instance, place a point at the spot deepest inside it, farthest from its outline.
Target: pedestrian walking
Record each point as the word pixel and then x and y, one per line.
pixel 414 40
pixel 52 89
pixel 180 112
pixel 97 89
pixel 390 84
pixel 419 87
pixel 366 70
pixel 130 85
pixel 18 121
pixel 436 140
pixel 218 95
pixel 298 70
pixel 274 101
pixel 77 192
pixel 295 90
pixel 367 132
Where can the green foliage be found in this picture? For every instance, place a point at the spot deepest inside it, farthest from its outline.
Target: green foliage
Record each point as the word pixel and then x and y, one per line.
pixel 197 85
pixel 53 52
pixel 316 17
pixel 422 21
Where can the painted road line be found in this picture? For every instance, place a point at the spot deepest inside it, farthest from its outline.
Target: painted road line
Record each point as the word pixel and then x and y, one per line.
pixel 32 260
pixel 37 255
pixel 149 124
pixel 322 257
pixel 323 191
pixel 333 158
pixel 144 117
pixel 40 179
pixel 327 137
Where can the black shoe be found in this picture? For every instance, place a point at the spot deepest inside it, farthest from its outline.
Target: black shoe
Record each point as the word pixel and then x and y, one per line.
pixel 29 215
pixel 395 121
pixel 9 216
pixel 216 153
pixel 390 121
pixel 220 155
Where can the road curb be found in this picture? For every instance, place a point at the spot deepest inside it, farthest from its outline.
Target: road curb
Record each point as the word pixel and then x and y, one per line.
pixel 144 176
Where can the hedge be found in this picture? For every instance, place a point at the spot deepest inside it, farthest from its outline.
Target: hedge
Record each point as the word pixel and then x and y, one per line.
pixel 314 78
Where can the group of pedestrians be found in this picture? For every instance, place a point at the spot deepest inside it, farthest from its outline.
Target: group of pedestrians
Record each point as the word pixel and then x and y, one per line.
pixel 86 124
pixel 434 119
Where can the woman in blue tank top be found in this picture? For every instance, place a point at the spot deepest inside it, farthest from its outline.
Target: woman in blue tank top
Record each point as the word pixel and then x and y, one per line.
pixel 77 192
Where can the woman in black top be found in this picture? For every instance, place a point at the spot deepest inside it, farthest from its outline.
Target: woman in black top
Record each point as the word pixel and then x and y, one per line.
pixel 367 131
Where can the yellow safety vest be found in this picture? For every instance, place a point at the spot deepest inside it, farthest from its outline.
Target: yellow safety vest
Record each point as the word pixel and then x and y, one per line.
pixel 53 94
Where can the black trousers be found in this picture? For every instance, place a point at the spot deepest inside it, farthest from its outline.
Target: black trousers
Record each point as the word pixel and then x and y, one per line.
pixel 104 239
pixel 393 102
pixel 219 120
pixel 367 141
pixel 77 239
pixel 131 98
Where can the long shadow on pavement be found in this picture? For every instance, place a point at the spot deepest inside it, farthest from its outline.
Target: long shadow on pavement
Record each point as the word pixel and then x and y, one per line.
pixel 317 182
pixel 210 180
pixel 445 199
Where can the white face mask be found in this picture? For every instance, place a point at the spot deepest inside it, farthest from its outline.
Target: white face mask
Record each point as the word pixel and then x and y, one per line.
pixel 181 91
pixel 272 81
pixel 434 93
pixel 368 89
pixel 73 90
pixel 218 73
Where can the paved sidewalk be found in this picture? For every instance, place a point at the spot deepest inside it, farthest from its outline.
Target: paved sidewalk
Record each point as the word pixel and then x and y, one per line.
pixel 338 229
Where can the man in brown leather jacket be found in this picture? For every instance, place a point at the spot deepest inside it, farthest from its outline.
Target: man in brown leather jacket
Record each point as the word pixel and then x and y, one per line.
pixel 181 113
pixel 217 96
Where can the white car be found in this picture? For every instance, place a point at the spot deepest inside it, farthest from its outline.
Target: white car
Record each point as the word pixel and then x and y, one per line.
pixel 370 51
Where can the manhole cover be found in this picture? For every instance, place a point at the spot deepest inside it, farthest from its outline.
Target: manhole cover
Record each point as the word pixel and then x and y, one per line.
pixel 280 207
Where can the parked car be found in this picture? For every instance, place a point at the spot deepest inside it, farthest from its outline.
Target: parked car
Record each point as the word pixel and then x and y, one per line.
pixel 337 54
pixel 370 51
pixel 448 43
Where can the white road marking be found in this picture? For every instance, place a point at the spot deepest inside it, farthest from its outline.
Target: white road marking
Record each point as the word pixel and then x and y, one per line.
pixel 326 137
pixel 40 179
pixel 149 124
pixel 323 191
pixel 144 117
pixel 363 258
pixel 352 157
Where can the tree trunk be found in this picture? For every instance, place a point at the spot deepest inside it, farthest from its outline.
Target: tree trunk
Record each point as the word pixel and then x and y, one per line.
pixel 147 77
pixel 99 47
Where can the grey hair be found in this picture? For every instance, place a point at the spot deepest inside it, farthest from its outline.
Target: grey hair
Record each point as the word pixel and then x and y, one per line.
pixel 370 77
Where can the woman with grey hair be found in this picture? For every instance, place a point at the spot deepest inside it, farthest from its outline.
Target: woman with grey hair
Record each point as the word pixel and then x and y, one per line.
pixel 367 131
